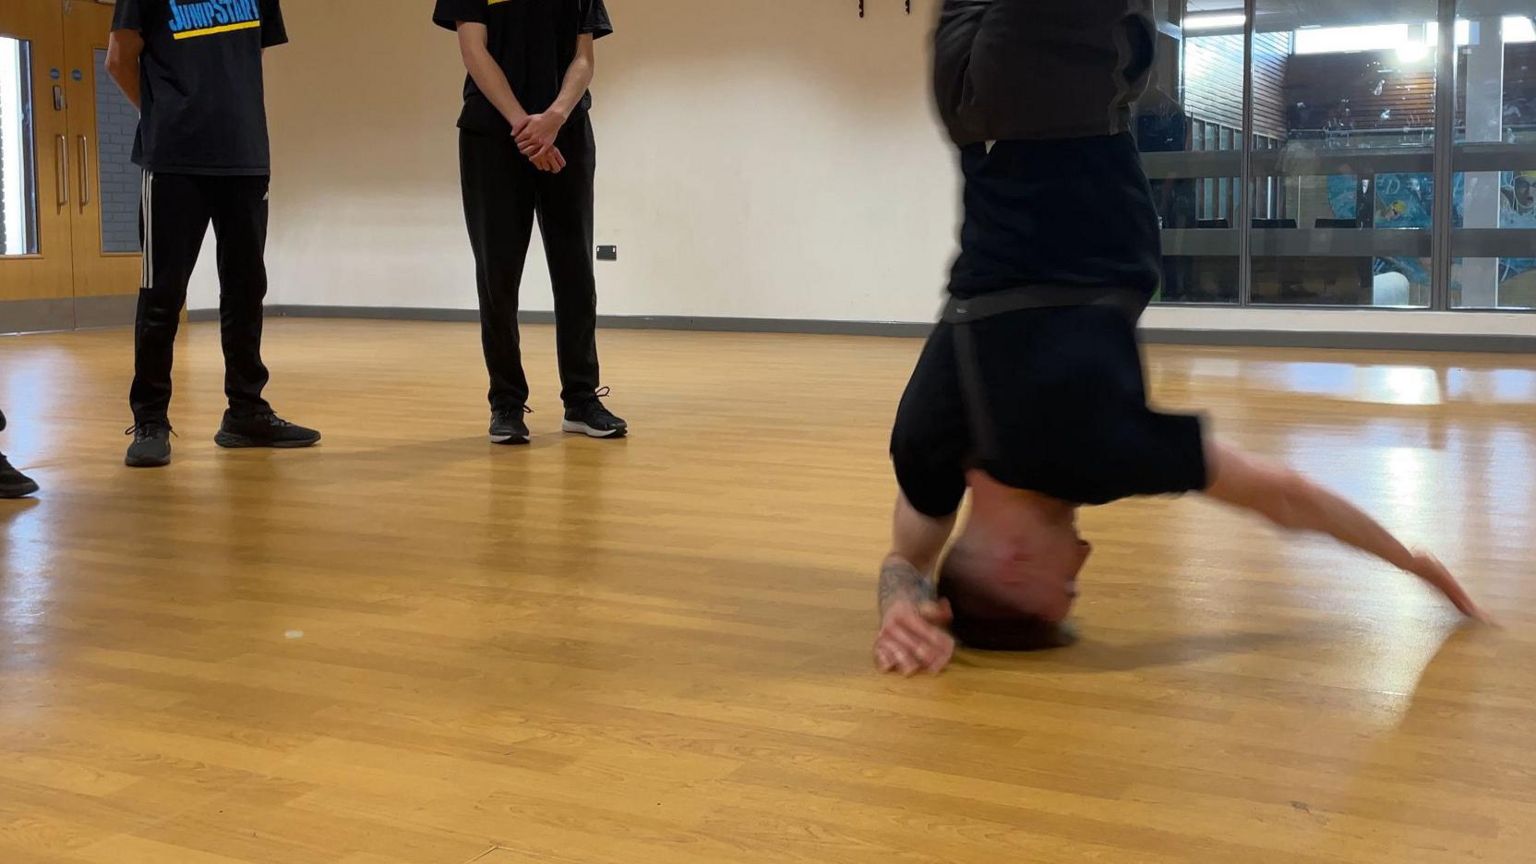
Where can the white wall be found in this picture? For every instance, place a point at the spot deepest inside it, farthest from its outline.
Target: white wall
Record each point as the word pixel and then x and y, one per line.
pixel 757 158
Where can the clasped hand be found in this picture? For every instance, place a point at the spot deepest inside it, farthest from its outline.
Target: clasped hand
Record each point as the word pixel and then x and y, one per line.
pixel 535 137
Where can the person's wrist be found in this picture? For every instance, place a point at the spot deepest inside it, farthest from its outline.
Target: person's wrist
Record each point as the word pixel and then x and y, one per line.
pixel 903 604
pixel 559 114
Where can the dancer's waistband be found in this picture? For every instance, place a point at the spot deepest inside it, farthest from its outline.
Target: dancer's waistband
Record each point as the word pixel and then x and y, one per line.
pixel 968 309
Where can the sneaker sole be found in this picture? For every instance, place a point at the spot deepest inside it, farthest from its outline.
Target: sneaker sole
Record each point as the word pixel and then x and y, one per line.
pixel 509 440
pixel 146 463
pixel 583 429
pixel 21 491
pixel 240 442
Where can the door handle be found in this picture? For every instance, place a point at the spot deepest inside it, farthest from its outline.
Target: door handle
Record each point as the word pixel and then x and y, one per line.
pixel 62 170
pixel 85 173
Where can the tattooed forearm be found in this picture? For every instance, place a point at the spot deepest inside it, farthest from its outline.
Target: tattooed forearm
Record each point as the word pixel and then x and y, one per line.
pixel 900 580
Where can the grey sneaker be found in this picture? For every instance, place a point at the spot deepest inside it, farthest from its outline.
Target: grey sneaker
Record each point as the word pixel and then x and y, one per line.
pixel 151 447
pixel 592 419
pixel 263 430
pixel 507 427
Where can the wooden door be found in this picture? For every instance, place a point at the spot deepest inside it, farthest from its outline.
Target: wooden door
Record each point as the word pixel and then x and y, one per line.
pixel 36 186
pixel 106 192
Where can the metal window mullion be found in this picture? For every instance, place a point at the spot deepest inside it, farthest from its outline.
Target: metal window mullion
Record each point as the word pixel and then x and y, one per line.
pixel 1444 209
pixel 1245 181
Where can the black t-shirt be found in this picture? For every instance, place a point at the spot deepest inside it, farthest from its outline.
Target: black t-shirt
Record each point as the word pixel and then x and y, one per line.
pixel 534 42
pixel 1071 211
pixel 1052 400
pixel 204 109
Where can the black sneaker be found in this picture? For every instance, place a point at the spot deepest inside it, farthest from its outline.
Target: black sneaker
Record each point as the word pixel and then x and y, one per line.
pixel 507 427
pixel 13 483
pixel 592 419
pixel 151 447
pixel 263 430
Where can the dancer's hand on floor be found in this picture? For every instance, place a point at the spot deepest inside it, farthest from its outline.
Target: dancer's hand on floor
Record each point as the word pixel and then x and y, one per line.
pixel 913 638
pixel 1429 568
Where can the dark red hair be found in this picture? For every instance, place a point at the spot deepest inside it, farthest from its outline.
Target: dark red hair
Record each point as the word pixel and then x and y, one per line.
pixel 984 621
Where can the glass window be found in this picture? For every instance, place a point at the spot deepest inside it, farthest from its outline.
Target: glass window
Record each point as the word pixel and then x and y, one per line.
pixel 18 164
pixel 1343 183
pixel 1493 246
pixel 1189 129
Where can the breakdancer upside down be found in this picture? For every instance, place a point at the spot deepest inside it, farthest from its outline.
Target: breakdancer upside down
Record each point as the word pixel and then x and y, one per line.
pixel 1030 391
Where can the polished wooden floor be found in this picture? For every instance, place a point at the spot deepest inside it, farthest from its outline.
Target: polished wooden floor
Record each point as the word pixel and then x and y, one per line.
pixel 410 647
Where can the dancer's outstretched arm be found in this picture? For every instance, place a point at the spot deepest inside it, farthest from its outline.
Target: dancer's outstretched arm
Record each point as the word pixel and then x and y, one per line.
pixel 1295 503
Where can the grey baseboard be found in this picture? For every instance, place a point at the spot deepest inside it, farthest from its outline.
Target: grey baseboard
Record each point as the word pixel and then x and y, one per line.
pixel 745 325
pixel 372 313
pixel 37 316
pixel 67 313
pixel 116 310
pixel 612 322
pixel 1469 342
pixel 1171 336
pixel 625 322
pixel 364 313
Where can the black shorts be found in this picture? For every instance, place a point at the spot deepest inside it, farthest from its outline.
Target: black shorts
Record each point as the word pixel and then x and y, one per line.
pixel 1051 400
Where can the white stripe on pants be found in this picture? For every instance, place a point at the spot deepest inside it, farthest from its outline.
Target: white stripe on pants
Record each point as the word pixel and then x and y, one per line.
pixel 147 211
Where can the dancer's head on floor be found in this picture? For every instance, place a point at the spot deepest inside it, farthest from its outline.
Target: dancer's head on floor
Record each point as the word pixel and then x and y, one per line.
pixel 1011 576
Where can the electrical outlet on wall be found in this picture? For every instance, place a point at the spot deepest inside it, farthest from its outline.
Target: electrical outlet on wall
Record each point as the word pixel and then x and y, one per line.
pixel 607 253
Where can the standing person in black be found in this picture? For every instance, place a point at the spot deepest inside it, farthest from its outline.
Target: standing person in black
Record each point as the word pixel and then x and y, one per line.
pixel 13 483
pixel 194 71
pixel 526 151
